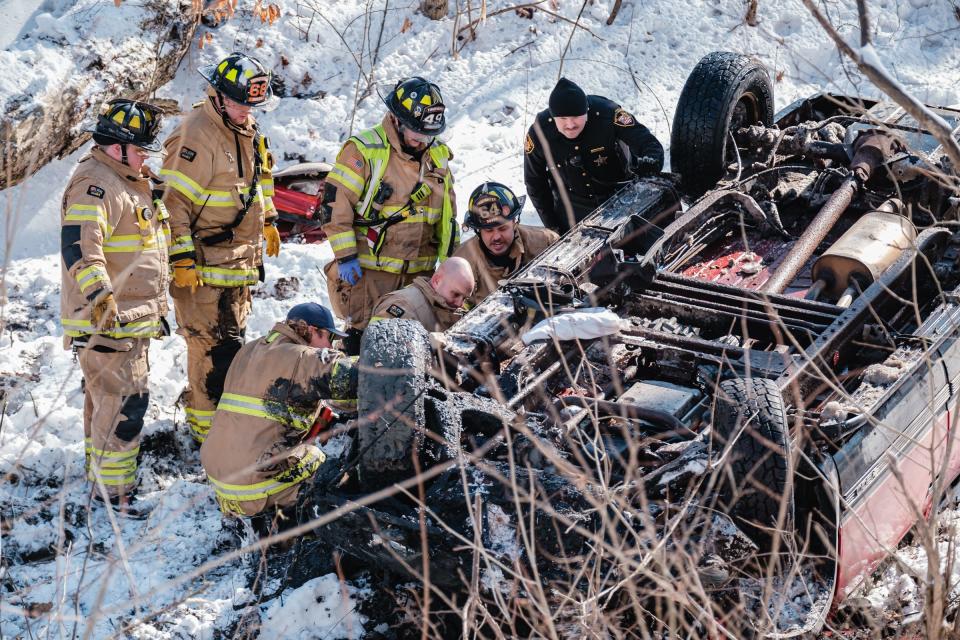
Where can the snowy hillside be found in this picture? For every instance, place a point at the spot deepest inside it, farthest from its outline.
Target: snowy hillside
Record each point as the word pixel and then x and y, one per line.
pixel 68 571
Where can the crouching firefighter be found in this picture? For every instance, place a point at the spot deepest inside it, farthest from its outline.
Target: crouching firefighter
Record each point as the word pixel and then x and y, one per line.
pixel 390 205
pixel 279 391
pixel 113 245
pixel 219 193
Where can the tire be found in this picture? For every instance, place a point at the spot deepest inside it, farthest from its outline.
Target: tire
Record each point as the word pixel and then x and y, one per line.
pixel 725 91
pixel 394 355
pixel 750 413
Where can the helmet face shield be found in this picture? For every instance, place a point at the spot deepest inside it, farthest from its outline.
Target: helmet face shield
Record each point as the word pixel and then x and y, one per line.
pixel 123 121
pixel 491 205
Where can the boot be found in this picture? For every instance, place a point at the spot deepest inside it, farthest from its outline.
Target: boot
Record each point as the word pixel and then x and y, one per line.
pixel 126 506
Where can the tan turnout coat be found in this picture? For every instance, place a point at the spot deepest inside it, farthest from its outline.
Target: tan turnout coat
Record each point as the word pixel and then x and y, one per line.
pixel 417 301
pixel 113 240
pixel 208 171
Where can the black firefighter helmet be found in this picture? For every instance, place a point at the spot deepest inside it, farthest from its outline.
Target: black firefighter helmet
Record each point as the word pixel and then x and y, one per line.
pixel 491 205
pixel 418 105
pixel 241 78
pixel 124 121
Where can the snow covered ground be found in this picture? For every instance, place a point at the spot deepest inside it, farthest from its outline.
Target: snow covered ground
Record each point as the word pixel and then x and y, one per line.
pixel 78 573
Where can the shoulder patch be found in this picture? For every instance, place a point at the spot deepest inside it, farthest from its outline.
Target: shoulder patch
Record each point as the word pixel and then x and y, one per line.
pixel 622 118
pixel 188 154
pixel 528 144
pixel 358 164
pixel 395 311
pixel 95 191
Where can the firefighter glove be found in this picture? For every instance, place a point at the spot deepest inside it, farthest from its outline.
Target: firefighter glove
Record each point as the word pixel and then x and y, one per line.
pixel 272 236
pixel 349 270
pixel 104 312
pixel 185 274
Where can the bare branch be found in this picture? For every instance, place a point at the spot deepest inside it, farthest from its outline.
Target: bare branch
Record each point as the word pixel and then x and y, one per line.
pixel 869 65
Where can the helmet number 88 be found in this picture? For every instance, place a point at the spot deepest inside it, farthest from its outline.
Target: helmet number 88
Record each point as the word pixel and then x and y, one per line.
pixel 257 90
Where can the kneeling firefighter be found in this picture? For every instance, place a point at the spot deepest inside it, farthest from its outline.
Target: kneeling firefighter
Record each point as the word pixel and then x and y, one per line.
pixel 279 392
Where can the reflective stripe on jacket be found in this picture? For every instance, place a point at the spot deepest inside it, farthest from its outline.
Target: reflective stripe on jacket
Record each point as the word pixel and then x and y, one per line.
pixel 428 230
pixel 207 172
pixel 113 238
pixel 273 393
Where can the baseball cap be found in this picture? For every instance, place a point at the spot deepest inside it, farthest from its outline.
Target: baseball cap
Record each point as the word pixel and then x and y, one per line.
pixel 316 315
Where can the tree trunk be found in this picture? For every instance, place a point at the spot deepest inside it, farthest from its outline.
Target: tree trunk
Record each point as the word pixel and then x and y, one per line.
pixel 98 61
pixel 434 9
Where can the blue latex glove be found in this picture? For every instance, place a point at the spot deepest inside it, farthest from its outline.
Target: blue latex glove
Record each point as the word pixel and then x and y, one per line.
pixel 349 271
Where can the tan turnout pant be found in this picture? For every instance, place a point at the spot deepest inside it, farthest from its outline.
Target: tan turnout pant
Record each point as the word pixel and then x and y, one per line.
pixel 115 401
pixel 213 321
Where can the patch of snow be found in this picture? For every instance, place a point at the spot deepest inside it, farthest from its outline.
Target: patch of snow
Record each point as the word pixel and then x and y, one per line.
pixel 323 607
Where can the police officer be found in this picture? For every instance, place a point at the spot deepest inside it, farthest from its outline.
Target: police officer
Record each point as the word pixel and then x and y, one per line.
pixel 501 246
pixel 390 205
pixel 113 243
pixel 578 153
pixel 435 302
pixel 279 392
pixel 218 192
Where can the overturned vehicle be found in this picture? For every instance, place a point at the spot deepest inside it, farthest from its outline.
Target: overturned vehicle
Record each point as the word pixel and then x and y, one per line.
pixel 711 409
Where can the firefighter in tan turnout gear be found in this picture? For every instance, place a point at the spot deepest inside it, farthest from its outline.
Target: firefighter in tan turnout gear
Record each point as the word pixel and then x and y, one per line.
pixel 279 387
pixel 435 302
pixel 113 243
pixel 390 206
pixel 502 245
pixel 218 192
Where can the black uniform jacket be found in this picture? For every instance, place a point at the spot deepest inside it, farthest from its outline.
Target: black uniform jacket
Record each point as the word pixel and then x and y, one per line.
pixel 612 148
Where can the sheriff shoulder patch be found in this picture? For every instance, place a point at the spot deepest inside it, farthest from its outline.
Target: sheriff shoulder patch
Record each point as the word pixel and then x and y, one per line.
pixel 95 191
pixel 395 311
pixel 528 144
pixel 188 154
pixel 623 119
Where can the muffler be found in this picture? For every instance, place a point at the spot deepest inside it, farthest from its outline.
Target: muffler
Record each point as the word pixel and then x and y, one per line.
pixel 865 251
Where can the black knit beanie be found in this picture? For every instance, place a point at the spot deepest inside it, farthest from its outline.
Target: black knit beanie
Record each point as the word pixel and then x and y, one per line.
pixel 567 99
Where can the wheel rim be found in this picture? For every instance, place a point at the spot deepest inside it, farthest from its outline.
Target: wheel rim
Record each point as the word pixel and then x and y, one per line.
pixel 744 113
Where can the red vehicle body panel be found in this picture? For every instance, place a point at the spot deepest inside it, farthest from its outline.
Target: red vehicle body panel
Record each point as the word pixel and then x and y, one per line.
pixel 884 510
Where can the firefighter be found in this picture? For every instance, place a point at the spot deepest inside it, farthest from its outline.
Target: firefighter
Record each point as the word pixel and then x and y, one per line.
pixel 580 151
pixel 435 302
pixel 113 244
pixel 501 245
pixel 279 393
pixel 390 208
pixel 218 192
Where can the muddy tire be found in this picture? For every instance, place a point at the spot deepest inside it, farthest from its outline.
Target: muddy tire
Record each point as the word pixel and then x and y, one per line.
pixel 724 92
pixel 750 414
pixel 394 356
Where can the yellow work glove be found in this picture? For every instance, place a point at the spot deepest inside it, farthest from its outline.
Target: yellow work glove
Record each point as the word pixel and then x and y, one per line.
pixel 272 236
pixel 185 274
pixel 104 312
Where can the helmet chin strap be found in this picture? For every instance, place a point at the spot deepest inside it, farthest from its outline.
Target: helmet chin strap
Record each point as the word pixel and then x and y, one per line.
pixel 221 108
pixel 123 155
